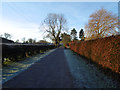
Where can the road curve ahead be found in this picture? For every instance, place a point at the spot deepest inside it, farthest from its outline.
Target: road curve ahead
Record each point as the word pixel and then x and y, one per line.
pixel 51 71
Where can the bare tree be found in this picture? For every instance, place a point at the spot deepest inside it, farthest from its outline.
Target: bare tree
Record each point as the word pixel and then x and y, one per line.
pixel 55 24
pixel 101 24
pixel 17 41
pixel 34 41
pixel 23 39
pixel 30 40
pixel 7 36
pixel 1 35
pixel 42 41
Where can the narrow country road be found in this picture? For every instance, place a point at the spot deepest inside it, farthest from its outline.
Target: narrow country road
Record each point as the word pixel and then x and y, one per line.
pixel 51 71
pixel 61 69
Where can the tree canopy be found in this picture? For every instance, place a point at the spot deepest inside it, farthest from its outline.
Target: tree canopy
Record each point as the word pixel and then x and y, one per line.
pixel 101 24
pixel 73 34
pixel 81 34
pixel 6 35
pixel 55 23
pixel 66 38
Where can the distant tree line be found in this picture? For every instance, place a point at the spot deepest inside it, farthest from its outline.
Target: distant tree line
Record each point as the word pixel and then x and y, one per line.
pixel 101 23
pixel 33 41
pixel 6 35
pixel 6 38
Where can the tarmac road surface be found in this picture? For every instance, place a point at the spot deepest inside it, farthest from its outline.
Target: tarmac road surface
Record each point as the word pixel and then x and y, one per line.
pixel 62 69
pixel 51 71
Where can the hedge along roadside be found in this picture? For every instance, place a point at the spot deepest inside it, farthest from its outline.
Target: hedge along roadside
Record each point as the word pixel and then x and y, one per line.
pixel 16 52
pixel 104 51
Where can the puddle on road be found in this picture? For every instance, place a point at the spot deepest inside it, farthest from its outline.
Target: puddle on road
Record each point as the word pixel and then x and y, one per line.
pixel 87 75
pixel 15 68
